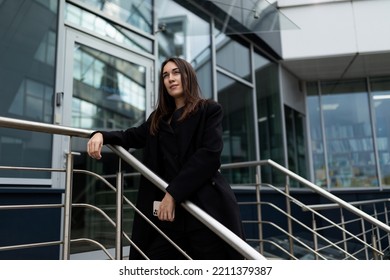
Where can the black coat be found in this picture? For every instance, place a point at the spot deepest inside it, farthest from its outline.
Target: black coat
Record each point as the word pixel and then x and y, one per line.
pixel 200 145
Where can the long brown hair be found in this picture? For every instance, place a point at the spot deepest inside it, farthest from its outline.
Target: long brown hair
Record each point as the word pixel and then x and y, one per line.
pixel 191 91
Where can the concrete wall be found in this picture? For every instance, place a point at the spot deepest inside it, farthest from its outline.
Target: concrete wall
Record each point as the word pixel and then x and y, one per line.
pixel 335 27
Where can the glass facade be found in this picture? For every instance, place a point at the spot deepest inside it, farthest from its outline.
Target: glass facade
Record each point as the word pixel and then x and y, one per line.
pixel 237 101
pixel 348 149
pixel 136 13
pixel 27 76
pixel 238 127
pixel 348 132
pixel 185 34
pixel 380 94
pixel 269 116
pixel 106 28
pixel 233 56
pixel 316 136
pixel 296 142
pixel 110 93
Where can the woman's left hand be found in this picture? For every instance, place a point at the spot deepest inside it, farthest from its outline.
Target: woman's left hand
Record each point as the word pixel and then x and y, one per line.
pixel 166 211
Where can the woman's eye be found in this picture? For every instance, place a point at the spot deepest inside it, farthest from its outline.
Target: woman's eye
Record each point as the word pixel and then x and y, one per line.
pixel 174 72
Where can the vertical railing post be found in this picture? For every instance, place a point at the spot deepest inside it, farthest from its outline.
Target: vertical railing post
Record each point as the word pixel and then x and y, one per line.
pixel 374 244
pixel 315 238
pixel 289 222
pixel 68 205
pixel 386 219
pixel 119 214
pixel 259 215
pixel 378 233
pixel 342 221
pixel 362 222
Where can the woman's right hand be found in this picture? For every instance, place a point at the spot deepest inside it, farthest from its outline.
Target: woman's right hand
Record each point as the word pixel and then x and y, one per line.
pixel 94 146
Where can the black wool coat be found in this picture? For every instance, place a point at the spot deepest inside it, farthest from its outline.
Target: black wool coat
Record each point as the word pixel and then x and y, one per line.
pixel 200 145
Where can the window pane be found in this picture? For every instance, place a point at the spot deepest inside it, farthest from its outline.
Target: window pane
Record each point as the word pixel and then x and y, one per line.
pixel 27 79
pixel 108 92
pixel 269 117
pixel 233 56
pixel 381 101
pixel 105 28
pixel 138 13
pixel 185 34
pixel 296 148
pixel 238 130
pixel 317 147
pixel 348 134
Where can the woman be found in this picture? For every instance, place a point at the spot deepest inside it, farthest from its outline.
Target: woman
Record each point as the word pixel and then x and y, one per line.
pixel 182 141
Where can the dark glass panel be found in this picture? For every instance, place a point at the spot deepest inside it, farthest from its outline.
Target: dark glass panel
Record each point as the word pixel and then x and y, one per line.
pixel 27 77
pixel 238 127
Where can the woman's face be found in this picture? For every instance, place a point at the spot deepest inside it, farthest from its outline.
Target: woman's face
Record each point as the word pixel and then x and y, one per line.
pixel 172 82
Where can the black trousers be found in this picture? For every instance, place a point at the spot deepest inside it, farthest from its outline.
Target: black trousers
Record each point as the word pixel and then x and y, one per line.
pixel 199 244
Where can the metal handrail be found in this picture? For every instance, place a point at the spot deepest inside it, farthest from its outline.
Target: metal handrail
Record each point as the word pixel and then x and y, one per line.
pixel 308 208
pixel 127 201
pixel 328 243
pixel 88 240
pixel 279 210
pixel 237 243
pixel 30 245
pixel 290 199
pixel 378 239
pixel 224 233
pixel 44 127
pixel 85 205
pixel 313 187
pixel 327 206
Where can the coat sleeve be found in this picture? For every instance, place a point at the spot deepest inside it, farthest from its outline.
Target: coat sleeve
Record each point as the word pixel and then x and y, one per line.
pixel 134 137
pixel 205 161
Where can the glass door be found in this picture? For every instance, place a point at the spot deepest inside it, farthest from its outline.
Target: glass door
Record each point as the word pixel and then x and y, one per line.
pixel 105 88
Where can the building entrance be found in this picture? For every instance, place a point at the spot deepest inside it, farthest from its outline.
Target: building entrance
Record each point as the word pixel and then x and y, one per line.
pixel 106 87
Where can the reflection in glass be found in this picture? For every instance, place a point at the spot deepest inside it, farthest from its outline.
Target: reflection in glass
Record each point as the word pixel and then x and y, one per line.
pixel 317 147
pixel 269 116
pixel 107 92
pixel 238 128
pixel 296 148
pixel 138 13
pixel 184 34
pixel 27 77
pixel 233 56
pixel 381 103
pixel 348 134
pixel 101 26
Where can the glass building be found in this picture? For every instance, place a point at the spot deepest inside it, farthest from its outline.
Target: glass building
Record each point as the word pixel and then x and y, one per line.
pixel 94 64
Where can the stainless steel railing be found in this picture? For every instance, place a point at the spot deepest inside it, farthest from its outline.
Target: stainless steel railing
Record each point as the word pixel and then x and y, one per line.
pixel 237 243
pixel 377 208
pixel 312 187
pixel 292 220
pixel 243 247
